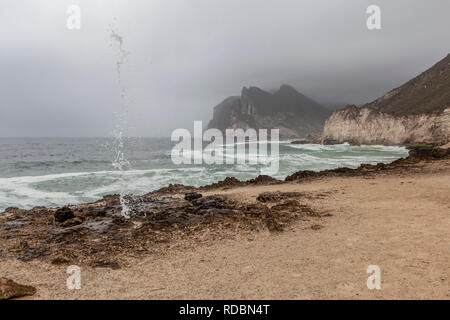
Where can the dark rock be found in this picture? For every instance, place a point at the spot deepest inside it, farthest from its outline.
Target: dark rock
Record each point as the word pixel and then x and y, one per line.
pixel 255 209
pixel 302 141
pixel 299 175
pixel 10 289
pixel 263 179
pixel 106 264
pixel 72 222
pixel 192 196
pixel 277 196
pixel 96 233
pixel 228 182
pixel 64 214
pixel 60 261
pixel 429 152
pixel 13 210
pixel 33 253
pixel 213 202
pixel 441 152
pixel 121 221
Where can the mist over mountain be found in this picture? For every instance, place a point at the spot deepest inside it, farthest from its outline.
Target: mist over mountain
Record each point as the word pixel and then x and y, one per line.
pixel 184 58
pixel 293 113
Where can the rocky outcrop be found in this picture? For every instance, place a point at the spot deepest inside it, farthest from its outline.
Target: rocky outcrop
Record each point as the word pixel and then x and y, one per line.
pixel 104 238
pixel 294 114
pixel 10 289
pixel 416 112
pixel 369 126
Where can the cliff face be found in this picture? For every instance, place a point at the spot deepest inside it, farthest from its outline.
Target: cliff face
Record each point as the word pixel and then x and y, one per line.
pixel 287 110
pixel 417 112
pixel 370 126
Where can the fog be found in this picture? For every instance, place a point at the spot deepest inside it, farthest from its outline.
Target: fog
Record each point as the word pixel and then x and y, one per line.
pixel 186 56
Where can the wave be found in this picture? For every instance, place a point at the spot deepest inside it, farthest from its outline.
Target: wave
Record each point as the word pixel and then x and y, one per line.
pixel 347 147
pixel 60 189
pixel 255 142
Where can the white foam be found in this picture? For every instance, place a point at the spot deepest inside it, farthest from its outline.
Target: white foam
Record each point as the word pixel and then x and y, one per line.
pixel 79 187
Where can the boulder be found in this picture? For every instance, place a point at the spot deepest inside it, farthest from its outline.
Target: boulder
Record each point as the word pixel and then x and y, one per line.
pixel 64 214
pixel 10 289
pixel 192 196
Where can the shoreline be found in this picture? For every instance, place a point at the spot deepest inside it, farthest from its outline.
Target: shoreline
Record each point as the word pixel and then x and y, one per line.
pixel 86 182
pixel 179 221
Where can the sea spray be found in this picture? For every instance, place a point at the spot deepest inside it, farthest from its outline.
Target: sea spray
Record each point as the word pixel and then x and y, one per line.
pixel 120 161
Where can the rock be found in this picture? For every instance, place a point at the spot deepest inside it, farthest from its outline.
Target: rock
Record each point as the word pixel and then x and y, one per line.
pixel 429 152
pixel 60 261
pixel 13 210
pixel 304 174
pixel 366 125
pixel 228 182
pixel 294 114
pixel 302 141
pixel 268 197
pixel 316 227
pixel 277 196
pixel 10 289
pixel 416 112
pixel 106 264
pixel 64 214
pixel 440 152
pixel 263 179
pixel 72 222
pixel 96 234
pixel 192 196
pixel 213 202
pixel 273 225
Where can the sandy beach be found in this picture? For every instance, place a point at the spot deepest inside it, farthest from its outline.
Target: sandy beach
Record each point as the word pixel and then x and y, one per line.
pixel 397 220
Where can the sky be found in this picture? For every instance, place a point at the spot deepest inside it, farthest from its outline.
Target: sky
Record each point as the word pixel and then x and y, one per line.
pixel 186 56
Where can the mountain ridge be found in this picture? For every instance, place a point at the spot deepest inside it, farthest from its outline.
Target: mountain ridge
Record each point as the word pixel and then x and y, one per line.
pixel 429 92
pixel 295 114
pixel 416 112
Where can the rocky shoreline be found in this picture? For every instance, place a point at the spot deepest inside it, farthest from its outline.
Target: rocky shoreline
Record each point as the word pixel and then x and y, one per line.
pixel 180 218
pixel 96 234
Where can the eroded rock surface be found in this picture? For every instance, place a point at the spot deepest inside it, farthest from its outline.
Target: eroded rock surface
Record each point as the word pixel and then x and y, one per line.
pixel 96 234
pixel 10 289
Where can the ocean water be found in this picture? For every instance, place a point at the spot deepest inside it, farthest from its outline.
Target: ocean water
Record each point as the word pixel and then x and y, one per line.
pixel 59 171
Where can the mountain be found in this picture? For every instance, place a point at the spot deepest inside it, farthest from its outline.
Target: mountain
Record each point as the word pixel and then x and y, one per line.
pixel 286 109
pixel 427 93
pixel 416 112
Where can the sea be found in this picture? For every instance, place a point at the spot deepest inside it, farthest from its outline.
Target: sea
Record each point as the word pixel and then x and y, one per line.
pixel 55 172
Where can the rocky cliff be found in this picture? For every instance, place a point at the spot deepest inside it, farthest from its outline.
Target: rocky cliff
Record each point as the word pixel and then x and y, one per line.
pixel 416 112
pixel 370 126
pixel 294 114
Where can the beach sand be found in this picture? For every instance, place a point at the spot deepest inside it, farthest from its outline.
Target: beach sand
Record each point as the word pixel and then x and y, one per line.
pixel 399 222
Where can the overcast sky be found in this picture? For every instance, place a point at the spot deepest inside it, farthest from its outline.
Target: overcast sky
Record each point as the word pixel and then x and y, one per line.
pixel 186 56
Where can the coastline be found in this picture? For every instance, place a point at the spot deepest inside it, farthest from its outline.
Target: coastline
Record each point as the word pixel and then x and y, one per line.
pixel 309 226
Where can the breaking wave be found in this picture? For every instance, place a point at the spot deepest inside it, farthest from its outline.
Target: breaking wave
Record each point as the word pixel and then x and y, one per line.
pixel 56 181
